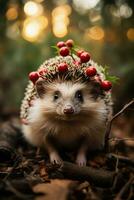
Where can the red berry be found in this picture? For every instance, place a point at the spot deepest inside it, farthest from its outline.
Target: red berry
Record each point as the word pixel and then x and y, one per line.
pixel 61 44
pixel 79 52
pixel 64 51
pixel 84 57
pixel 62 67
pixel 91 71
pixel 42 71
pixel 33 76
pixel 106 85
pixel 70 43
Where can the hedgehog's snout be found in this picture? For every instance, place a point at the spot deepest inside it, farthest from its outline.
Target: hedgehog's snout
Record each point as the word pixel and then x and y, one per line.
pixel 68 109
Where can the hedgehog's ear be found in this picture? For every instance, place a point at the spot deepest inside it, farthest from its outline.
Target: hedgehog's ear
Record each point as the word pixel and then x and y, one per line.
pixel 40 87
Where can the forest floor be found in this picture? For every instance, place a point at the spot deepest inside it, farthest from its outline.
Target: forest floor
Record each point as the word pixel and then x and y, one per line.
pixel 25 172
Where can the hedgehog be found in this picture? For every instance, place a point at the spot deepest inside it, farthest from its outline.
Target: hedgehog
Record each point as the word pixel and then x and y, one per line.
pixel 66 107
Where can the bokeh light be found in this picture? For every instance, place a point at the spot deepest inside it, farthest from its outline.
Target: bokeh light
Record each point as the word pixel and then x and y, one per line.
pixel 123 11
pixel 39 1
pixel 84 5
pixel 60 20
pixel 60 29
pixel 35 22
pixel 63 10
pixel 130 34
pixel 33 9
pixel 12 13
pixel 33 28
pixel 95 33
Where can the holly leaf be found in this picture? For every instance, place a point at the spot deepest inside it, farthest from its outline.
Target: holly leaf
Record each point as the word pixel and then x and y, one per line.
pixel 112 79
pixel 55 47
pixel 105 71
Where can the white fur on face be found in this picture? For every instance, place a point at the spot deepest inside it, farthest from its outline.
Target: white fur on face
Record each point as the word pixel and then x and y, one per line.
pixel 67 92
pixel 53 109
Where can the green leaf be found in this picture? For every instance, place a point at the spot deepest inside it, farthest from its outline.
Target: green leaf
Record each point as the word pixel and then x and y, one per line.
pixel 113 79
pixel 55 47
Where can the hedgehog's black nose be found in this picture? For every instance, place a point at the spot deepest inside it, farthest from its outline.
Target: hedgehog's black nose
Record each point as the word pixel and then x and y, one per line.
pixel 68 110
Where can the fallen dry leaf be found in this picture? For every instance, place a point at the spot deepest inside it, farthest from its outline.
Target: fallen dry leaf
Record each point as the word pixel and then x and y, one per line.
pixel 55 190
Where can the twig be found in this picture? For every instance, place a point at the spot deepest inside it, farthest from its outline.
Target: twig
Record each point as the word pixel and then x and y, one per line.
pixel 124 189
pixel 117 164
pixel 72 57
pixel 109 123
pixel 120 139
pixel 122 159
pixel 69 170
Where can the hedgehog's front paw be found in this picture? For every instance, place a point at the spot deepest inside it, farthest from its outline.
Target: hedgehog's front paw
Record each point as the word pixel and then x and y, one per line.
pixel 81 159
pixel 55 158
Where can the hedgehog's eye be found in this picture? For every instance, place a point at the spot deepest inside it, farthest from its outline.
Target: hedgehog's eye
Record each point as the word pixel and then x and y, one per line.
pixel 56 95
pixel 79 95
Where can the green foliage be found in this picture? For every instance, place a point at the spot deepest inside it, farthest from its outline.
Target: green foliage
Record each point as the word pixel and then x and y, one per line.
pixel 110 78
pixel 56 50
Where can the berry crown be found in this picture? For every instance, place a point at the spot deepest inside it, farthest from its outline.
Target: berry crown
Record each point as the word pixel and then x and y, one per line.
pixel 78 64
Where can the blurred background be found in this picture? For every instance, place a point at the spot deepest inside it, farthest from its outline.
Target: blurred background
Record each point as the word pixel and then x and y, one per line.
pixel 28 29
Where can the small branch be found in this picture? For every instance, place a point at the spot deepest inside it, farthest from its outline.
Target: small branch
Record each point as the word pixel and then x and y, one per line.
pixel 122 159
pixel 69 170
pixel 110 121
pixel 124 189
pixel 127 142
pixel 72 57
pixel 117 165
pixel 123 109
pixel 120 139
